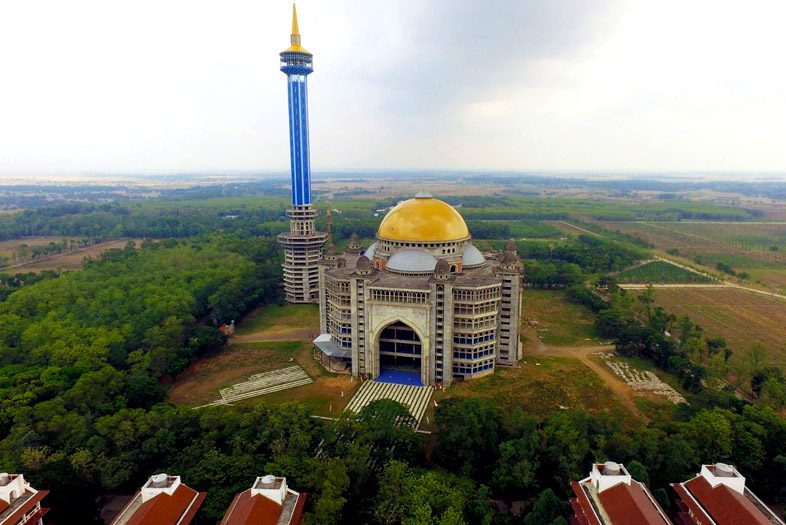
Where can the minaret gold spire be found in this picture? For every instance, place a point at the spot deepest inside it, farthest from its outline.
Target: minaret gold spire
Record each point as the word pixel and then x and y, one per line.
pixel 295 30
pixel 295 36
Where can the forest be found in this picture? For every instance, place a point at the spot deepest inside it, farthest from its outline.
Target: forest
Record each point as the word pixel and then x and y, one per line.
pixel 86 358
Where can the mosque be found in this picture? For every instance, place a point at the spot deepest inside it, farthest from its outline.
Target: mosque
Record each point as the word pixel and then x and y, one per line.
pixel 421 305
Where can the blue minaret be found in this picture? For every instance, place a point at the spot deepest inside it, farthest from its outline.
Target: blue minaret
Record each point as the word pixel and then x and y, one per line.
pixel 303 244
pixel 296 63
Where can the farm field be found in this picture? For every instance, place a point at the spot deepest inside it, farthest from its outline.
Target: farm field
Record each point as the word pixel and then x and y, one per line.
pixel 556 320
pixel 661 272
pixel 10 245
pixel 739 316
pixel 9 249
pixel 766 237
pixel 711 243
pixel 69 261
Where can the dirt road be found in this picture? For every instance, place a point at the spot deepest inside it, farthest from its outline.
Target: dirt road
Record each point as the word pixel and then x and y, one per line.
pixel 582 353
pixel 269 335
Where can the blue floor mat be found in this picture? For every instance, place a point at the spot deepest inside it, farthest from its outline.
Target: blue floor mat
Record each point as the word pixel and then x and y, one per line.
pixel 399 377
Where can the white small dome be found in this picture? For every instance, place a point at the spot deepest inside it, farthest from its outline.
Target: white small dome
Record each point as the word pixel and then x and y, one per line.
pixel 370 251
pixel 611 468
pixel 412 261
pixel 472 257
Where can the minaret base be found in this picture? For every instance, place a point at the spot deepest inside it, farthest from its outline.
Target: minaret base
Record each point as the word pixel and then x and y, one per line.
pixel 302 252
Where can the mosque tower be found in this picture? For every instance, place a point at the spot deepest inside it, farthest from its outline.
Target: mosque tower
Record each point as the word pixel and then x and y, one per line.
pixel 303 244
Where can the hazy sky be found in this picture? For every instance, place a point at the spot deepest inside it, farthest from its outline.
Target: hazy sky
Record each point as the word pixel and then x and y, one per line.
pixel 178 85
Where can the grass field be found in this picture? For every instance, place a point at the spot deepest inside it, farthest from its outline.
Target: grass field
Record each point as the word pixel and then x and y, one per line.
pixel 738 316
pixel 540 389
pixel 200 383
pixel 661 272
pixel 655 407
pixel 69 261
pixel 269 338
pixel 295 322
pixel 559 321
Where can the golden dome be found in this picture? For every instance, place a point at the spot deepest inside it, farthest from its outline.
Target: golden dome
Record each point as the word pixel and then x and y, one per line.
pixel 423 219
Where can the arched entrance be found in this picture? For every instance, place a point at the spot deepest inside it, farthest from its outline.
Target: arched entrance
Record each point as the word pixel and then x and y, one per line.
pixel 400 354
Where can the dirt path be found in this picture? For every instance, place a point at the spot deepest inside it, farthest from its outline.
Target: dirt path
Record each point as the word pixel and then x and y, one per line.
pixel 282 334
pixel 583 353
pixel 578 228
pixel 65 253
pixel 724 284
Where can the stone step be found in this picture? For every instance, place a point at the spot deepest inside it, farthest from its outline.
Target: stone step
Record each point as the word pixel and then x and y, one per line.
pixel 293 374
pixel 415 398
pixel 275 372
pixel 268 390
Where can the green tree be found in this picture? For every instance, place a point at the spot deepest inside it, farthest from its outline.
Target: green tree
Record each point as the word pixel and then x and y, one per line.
pixel 638 471
pixel 516 474
pixel 468 437
pixel 547 510
pixel 713 430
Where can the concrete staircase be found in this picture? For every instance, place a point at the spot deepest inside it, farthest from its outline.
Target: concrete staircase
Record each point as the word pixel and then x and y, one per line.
pixel 415 398
pixel 260 384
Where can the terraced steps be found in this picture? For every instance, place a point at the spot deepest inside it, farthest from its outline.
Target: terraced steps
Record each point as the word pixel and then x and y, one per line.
pixel 268 390
pixel 415 398
pixel 261 384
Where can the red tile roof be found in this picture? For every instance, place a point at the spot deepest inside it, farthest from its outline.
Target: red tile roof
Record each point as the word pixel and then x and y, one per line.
pixel 722 504
pixel 297 514
pixel 259 510
pixel 622 504
pixel 24 508
pixel 163 509
pixel 585 513
pixel 631 505
pixel 246 509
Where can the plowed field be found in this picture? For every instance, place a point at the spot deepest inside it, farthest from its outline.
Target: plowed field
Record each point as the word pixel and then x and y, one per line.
pixel 738 316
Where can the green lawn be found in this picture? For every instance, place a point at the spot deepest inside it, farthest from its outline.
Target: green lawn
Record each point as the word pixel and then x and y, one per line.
pixel 540 385
pixel 235 363
pixel 559 321
pixel 287 316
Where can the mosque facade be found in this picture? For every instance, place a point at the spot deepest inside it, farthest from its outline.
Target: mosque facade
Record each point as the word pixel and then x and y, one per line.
pixel 421 301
